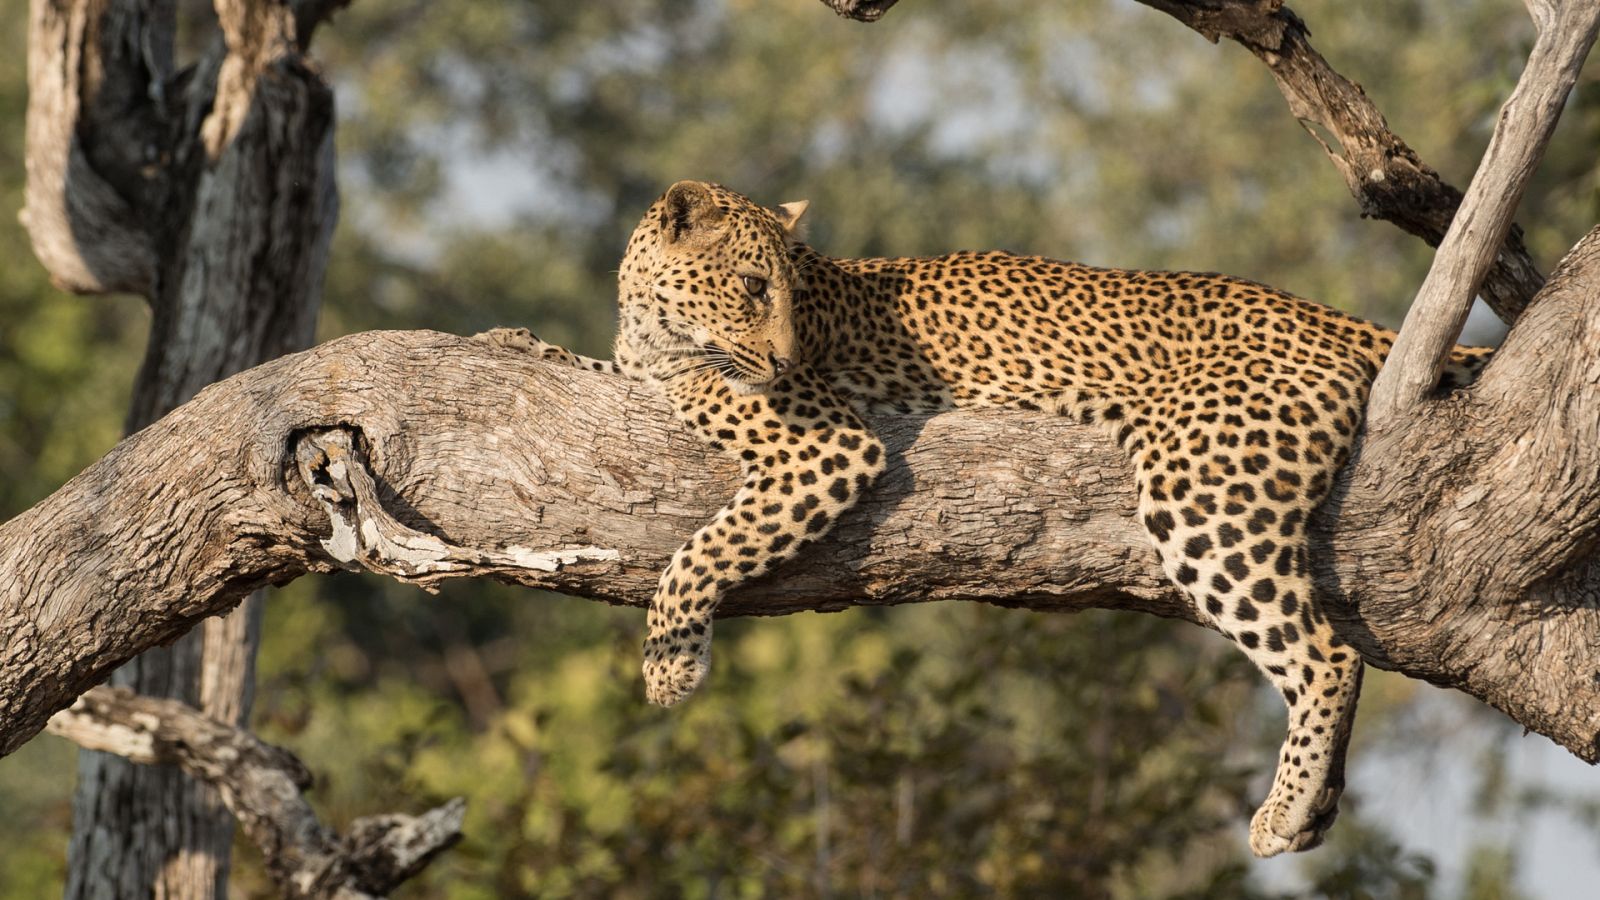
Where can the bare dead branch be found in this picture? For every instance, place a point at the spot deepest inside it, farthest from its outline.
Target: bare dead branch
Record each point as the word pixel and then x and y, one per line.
pixel 1383 173
pixel 262 786
pixel 1566 32
pixel 1462 547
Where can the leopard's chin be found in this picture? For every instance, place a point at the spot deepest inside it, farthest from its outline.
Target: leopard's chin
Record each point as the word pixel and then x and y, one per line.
pixel 743 388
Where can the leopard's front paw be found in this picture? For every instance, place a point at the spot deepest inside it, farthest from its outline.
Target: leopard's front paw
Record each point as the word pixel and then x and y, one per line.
pixel 1287 827
pixel 674 667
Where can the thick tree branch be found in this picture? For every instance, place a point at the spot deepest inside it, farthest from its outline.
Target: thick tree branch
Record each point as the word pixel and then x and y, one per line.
pixel 262 786
pixel 1463 548
pixel 1566 32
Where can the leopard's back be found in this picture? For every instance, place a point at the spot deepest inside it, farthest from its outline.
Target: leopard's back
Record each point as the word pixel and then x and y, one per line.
pixel 997 329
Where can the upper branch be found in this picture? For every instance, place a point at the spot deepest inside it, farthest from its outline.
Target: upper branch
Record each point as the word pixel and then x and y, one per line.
pixel 429 456
pixel 1383 173
pixel 95 76
pixel 1481 225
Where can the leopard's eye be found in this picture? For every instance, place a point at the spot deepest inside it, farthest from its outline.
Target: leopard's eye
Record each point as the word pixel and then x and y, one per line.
pixel 755 284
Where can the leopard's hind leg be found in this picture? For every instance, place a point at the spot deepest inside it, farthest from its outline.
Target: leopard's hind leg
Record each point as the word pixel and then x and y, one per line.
pixel 1229 523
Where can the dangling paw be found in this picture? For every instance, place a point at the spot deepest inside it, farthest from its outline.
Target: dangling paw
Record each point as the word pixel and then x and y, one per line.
pixel 674 667
pixel 1281 826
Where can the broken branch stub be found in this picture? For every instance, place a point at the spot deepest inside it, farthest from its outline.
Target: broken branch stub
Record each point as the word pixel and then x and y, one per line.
pixel 366 536
pixel 262 786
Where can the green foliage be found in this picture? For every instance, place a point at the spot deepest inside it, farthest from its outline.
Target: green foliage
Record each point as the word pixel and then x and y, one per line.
pixel 494 157
pixel 1491 874
pixel 1368 865
pixel 922 752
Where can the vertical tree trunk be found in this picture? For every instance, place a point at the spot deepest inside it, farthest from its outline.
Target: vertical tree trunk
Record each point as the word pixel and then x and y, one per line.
pixel 210 191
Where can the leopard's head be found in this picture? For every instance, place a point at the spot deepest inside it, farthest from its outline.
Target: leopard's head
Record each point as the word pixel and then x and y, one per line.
pixel 707 285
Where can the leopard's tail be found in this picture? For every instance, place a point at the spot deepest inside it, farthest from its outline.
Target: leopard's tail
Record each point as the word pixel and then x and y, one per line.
pixel 1463 366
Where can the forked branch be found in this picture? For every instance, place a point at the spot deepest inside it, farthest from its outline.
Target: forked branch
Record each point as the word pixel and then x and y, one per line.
pixel 262 785
pixel 1387 178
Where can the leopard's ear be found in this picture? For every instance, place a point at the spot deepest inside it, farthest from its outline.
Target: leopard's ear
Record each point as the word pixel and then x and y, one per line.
pixel 688 211
pixel 789 215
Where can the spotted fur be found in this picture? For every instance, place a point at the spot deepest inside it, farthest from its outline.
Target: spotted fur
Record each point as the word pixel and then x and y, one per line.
pixel 1236 404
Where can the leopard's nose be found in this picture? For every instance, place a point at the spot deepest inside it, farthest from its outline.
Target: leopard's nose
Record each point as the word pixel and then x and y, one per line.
pixel 781 364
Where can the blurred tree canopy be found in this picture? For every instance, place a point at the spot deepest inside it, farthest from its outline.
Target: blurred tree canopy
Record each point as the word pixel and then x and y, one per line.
pixel 495 156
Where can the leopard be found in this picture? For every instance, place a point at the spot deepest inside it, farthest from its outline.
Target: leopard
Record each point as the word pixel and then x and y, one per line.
pixel 1235 403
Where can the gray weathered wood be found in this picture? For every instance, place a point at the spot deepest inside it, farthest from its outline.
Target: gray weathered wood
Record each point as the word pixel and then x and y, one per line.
pixel 210 193
pixel 1566 33
pixel 261 786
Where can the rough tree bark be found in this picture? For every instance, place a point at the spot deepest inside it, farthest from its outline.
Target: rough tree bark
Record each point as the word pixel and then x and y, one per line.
pixel 209 191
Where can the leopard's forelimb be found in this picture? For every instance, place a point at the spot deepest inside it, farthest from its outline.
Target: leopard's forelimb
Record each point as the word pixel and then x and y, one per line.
pixel 807 459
